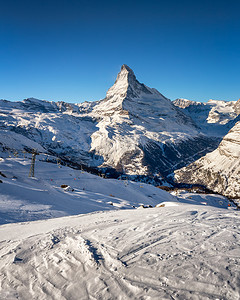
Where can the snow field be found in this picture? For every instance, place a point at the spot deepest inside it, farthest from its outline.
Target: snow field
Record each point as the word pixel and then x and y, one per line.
pixel 179 252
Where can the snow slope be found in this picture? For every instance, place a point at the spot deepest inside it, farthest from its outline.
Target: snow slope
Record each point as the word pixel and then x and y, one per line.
pixel 218 170
pixel 27 199
pixel 179 252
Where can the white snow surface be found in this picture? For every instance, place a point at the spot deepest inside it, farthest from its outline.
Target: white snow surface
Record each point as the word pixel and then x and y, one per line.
pixel 12 140
pixel 178 252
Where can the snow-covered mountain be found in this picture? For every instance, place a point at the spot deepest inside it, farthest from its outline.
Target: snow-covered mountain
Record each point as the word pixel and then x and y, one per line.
pixel 50 127
pixel 140 130
pixel 213 117
pixel 135 129
pixel 218 170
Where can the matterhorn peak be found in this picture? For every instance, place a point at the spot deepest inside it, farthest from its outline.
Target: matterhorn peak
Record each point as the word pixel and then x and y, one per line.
pixel 127 84
pixel 125 68
pixel 126 75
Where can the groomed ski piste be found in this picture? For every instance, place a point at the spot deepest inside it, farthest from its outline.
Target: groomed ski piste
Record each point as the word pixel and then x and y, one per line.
pixel 94 240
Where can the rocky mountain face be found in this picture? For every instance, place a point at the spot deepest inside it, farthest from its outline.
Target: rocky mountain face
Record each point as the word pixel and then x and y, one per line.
pixel 135 129
pixel 218 170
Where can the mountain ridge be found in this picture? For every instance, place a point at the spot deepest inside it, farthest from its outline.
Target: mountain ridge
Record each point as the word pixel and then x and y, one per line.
pixel 134 129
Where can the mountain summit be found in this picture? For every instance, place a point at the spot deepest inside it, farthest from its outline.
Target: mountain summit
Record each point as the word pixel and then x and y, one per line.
pixel 127 84
pixel 127 68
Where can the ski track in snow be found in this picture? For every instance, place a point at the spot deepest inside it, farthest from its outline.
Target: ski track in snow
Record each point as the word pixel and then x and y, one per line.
pixel 184 252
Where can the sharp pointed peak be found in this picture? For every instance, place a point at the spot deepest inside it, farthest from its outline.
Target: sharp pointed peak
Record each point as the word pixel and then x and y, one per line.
pixel 126 73
pixel 127 84
pixel 127 68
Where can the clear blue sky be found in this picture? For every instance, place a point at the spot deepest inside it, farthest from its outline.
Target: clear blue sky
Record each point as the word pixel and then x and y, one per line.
pixel 72 50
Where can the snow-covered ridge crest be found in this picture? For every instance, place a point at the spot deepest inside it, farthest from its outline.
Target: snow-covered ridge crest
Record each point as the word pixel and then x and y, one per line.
pixel 183 103
pixel 212 112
